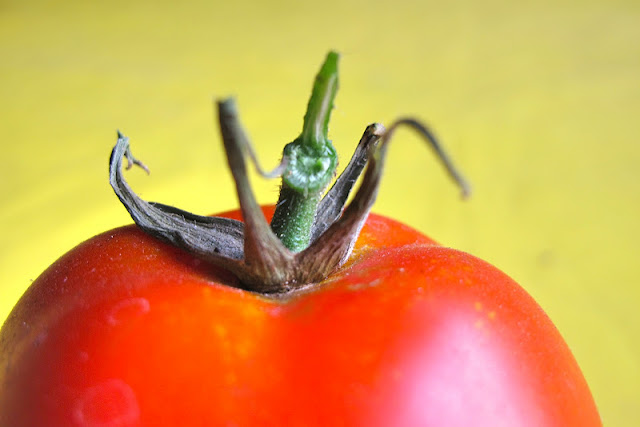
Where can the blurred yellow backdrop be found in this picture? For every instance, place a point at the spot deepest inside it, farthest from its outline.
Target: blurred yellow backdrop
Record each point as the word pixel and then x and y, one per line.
pixel 538 104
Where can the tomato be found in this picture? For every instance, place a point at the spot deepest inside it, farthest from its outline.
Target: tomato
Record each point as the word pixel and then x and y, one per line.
pixel 126 330
pixel 189 320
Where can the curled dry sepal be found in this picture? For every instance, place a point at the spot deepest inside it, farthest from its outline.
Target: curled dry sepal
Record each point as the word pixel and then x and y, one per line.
pixel 250 249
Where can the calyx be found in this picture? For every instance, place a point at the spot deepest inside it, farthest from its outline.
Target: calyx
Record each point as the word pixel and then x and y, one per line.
pixel 250 249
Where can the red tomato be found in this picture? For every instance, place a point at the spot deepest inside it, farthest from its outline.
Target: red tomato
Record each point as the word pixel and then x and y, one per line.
pixel 125 330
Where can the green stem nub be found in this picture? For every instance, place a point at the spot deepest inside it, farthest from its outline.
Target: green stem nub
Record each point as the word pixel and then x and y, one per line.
pixel 311 163
pixel 316 120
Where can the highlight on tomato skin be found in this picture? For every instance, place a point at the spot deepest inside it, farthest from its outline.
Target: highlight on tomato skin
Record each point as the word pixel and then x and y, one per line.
pixel 127 330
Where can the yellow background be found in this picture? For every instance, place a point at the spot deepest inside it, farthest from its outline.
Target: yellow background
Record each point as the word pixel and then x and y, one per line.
pixel 537 103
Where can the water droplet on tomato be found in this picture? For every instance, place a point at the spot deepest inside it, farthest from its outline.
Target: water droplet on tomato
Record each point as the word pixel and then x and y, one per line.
pixel 128 308
pixel 110 403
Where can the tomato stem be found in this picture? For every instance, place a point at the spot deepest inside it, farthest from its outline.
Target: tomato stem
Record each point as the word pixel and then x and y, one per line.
pixel 311 164
pixel 310 236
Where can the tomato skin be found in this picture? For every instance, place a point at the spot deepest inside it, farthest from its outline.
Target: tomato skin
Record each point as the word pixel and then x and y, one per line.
pixel 125 330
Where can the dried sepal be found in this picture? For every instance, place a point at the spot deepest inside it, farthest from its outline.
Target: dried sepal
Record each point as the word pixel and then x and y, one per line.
pixel 249 249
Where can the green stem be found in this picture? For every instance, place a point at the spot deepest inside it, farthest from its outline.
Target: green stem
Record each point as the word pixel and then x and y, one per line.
pixel 316 120
pixel 311 166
